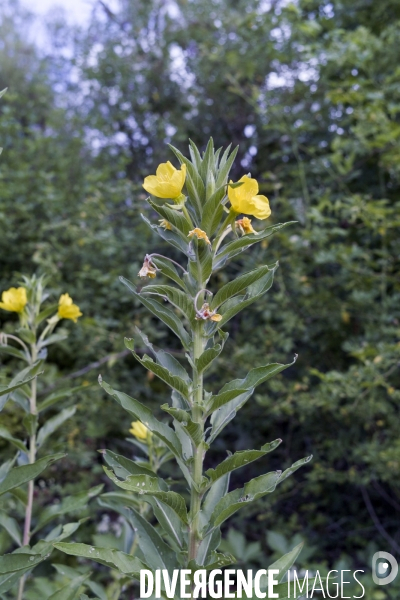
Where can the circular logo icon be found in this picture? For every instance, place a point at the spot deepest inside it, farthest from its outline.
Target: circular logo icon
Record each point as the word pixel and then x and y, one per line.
pixel 384 568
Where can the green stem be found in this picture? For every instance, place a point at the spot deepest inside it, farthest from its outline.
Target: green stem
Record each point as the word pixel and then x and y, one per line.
pixel 197 473
pixel 222 232
pixel 31 483
pixel 186 213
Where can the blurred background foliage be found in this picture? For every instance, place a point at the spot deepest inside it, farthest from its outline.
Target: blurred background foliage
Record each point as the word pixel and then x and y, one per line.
pixel 311 92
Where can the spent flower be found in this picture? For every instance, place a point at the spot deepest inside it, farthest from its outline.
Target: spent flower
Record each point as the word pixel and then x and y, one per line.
pixel 165 224
pixel 244 225
pixel 206 314
pixel 148 269
pixel 200 234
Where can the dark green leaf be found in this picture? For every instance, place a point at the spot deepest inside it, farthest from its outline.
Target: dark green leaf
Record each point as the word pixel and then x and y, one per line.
pixel 145 485
pixel 20 475
pixel 51 425
pixel 126 564
pixel 240 459
pixel 238 285
pixel 163 313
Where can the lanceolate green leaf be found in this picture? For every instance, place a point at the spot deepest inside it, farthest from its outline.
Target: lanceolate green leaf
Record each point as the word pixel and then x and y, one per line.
pixel 11 526
pixel 12 351
pixel 200 266
pixel 162 312
pixel 51 425
pixel 69 592
pixel 174 217
pixel 164 358
pixel 169 521
pixel 57 395
pixel 145 485
pixel 23 377
pixel 207 163
pixel 18 561
pixel 213 211
pixel 208 357
pixel 257 376
pixel 110 558
pixel 183 417
pixel 194 183
pixel 238 303
pixel 167 268
pixel 226 396
pixel 167 518
pixel 294 467
pixel 228 410
pixel 240 459
pixel 173 238
pixel 20 475
pixel 6 435
pixel 178 298
pixel 225 165
pixel 67 505
pixel 286 562
pixel 123 467
pixel 145 415
pixel 157 554
pixel 232 502
pixel 173 381
pixel 238 285
pixel 235 247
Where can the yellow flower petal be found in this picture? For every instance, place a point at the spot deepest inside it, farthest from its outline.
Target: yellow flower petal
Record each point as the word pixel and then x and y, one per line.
pixel 140 431
pixel 168 181
pixel 245 199
pixel 14 299
pixel 67 309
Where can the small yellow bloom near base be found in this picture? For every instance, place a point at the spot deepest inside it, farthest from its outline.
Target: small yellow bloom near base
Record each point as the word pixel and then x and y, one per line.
pixel 206 314
pixel 67 309
pixel 148 269
pixel 166 224
pixel 244 225
pixel 200 234
pixel 14 299
pixel 140 431
pixel 167 182
pixel 245 199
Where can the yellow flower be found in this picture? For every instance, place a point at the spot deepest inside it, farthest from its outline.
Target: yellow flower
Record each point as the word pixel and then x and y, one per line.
pixel 67 309
pixel 167 182
pixel 14 299
pixel 148 269
pixel 245 226
pixel 200 234
pixel 166 224
pixel 245 199
pixel 140 431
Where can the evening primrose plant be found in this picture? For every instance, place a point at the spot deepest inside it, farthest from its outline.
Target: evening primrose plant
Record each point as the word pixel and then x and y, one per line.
pixel 207 218
pixel 33 535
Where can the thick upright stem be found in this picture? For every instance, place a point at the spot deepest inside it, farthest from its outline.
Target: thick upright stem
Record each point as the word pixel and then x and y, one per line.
pixel 32 459
pixel 197 473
